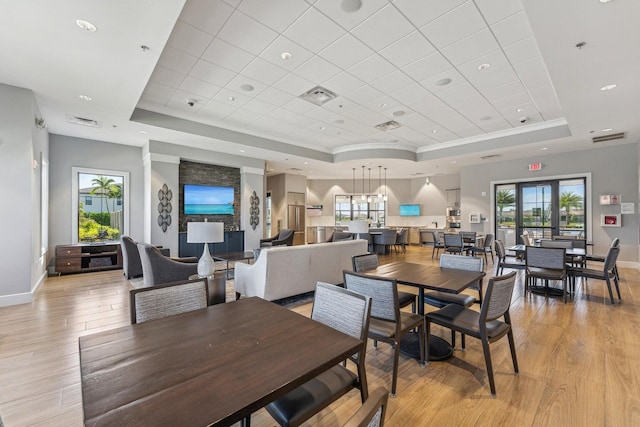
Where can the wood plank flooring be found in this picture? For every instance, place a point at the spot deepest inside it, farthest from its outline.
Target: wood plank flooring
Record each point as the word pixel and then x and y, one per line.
pixel 579 362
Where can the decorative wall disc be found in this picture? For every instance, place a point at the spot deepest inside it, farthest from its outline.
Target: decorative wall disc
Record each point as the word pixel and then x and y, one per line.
pixel 254 210
pixel 164 207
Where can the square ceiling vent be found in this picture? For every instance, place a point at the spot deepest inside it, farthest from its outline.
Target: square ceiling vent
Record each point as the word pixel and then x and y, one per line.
pixel 318 95
pixel 81 121
pixel 388 126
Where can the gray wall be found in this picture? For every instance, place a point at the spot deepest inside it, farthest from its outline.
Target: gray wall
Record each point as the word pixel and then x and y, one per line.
pixel 614 170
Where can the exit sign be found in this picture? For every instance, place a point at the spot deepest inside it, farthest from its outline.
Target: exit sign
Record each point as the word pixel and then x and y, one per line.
pixel 535 166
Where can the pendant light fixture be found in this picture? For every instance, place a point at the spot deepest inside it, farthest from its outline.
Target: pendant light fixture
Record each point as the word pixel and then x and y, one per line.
pixel 385 198
pixel 379 183
pixel 363 197
pixel 353 188
pixel 369 199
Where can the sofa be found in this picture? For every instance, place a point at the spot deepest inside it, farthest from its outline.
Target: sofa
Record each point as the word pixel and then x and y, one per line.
pixel 286 271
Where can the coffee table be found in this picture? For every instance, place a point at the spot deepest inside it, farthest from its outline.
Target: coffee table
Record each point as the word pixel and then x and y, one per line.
pixel 233 256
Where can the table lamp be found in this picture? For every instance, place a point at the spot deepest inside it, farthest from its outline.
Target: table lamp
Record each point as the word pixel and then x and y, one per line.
pixel 205 232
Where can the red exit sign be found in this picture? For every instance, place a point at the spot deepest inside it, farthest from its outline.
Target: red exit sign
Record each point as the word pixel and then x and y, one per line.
pixel 535 166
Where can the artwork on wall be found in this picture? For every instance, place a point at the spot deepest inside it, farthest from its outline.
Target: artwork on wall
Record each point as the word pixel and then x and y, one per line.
pixel 254 210
pixel 609 199
pixel 164 207
pixel 610 220
pixel 627 208
pixel 474 218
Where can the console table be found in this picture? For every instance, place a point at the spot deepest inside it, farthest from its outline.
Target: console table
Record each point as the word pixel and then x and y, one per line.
pixel 233 242
pixel 84 257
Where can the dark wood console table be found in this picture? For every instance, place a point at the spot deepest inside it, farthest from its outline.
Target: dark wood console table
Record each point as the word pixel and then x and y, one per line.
pixel 233 242
pixel 85 257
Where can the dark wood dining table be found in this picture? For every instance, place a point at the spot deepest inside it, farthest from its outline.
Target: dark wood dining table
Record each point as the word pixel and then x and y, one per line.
pixel 214 366
pixel 429 277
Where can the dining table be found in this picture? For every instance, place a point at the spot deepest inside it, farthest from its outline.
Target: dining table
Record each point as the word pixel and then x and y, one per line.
pixel 214 366
pixel 427 277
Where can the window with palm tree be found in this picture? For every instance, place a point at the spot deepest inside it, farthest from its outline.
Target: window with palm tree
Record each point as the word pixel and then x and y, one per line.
pixel 100 206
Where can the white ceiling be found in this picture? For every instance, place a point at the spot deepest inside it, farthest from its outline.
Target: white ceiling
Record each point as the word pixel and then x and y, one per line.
pixel 388 57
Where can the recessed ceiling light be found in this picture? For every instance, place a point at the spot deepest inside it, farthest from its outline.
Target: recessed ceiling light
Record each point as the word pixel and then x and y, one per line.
pixel 86 25
pixel 544 148
pixel 232 98
pixel 306 163
pixel 443 82
pixel 247 88
pixel 383 105
pixel 339 121
pixel 144 132
pixel 485 118
pixel 607 130
pixel 454 162
pixel 608 87
pixel 605 1
pixel 241 150
pixel 85 97
pixel 519 110
pixel 434 131
pixel 286 55
pixel 350 6
pixel 398 113
pixel 322 128
pixel 483 67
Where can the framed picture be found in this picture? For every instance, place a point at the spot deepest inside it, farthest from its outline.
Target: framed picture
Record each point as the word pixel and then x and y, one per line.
pixel 610 220
pixel 627 208
pixel 609 199
pixel 474 218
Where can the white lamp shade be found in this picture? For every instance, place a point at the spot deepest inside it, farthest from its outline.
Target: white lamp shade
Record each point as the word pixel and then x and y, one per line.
pixel 205 232
pixel 358 227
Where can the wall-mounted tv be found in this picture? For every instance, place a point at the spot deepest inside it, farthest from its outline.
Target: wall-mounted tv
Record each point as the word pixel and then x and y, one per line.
pixel 208 200
pixel 409 210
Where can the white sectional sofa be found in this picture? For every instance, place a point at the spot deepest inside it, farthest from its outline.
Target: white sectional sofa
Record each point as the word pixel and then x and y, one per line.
pixel 285 271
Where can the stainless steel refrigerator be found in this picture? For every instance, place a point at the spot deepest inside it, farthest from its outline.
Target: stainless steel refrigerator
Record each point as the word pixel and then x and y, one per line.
pixel 295 221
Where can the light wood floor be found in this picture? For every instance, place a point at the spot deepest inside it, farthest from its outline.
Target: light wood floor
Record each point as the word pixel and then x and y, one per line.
pixel 579 362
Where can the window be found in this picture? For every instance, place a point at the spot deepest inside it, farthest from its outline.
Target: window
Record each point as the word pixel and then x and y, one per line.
pixel 100 211
pixel 352 208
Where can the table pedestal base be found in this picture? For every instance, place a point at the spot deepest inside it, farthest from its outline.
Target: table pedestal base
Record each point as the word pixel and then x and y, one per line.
pixel 546 290
pixel 440 349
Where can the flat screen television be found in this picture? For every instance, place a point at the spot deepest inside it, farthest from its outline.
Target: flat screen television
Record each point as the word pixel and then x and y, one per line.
pixel 409 210
pixel 208 200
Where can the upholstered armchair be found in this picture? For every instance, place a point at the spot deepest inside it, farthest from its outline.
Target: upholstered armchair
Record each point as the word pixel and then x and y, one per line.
pixel 284 237
pixel 131 264
pixel 158 269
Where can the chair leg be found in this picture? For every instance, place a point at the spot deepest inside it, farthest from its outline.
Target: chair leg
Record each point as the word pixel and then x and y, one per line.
pixel 413 307
pixel 512 346
pixel 453 339
pixel 609 288
pixel 396 361
pixel 487 360
pixel 617 283
pixel 427 335
pixel 433 251
pixel 421 340
pixel 463 341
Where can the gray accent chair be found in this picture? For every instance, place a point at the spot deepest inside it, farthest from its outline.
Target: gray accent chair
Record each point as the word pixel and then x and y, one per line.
pixel 349 313
pixel 485 249
pixel 546 263
pixel 606 273
pixel 167 300
pixel 615 243
pixel 453 243
pixel 339 236
pixel 437 244
pixel 401 240
pixel 372 412
pixel 158 269
pixel 131 264
pixel 388 323
pixel 283 238
pixel 386 239
pixel 485 325
pixel 507 261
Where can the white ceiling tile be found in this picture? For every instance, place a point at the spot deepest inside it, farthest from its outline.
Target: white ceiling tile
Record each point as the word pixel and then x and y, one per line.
pixel 511 101
pixel 495 79
pixel 497 10
pixel 240 117
pixel 346 51
pixel 215 109
pixel 512 113
pixel 299 55
pixel 512 29
pixel 374 119
pixel 343 83
pixel 149 101
pixel 159 90
pixel 383 28
pixel 364 94
pixel 211 73
pixel 372 69
pixel 385 105
pixel 393 82
pixel 189 39
pixel 259 107
pixel 423 11
pixel 167 77
pixel 317 70
pixel 275 97
pixel 264 71
pixel 533 73
pixel 332 9
pixel 428 66
pixel 239 80
pixel 495 59
pixel 177 60
pixel 358 114
pixel 320 113
pixel 415 121
pixel 461 94
pixel 314 31
pixel 232 3
pixel 408 49
pixel 199 87
pixel 453 26
pixel 474 46
pixel 407 134
pixel 533 118
pixel 494 125
pixel 504 91
pixel 247 34
pixel 300 106
pixel 442 135
pixel 294 84
pixel 282 114
pixel 522 50
pixel 410 93
pixel 178 101
pixel 206 15
pixel 231 98
pixel 341 105
pixel 228 56
pixel 275 14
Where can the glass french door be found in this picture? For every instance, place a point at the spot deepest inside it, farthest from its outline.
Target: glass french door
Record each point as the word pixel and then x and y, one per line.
pixel 537 213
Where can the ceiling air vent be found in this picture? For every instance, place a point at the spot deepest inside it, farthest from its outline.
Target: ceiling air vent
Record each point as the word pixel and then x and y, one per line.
pixel 81 121
pixel 611 137
pixel 318 95
pixel 388 126
pixel 491 156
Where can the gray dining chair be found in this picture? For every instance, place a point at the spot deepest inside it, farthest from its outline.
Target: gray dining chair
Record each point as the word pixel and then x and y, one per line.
pixel 485 325
pixel 372 412
pixel 437 244
pixel 506 261
pixel 615 243
pixel 453 243
pixel 348 312
pixel 546 263
pixel 167 300
pixel 401 240
pixel 388 323
pixel 386 239
pixel 486 248
pixel 606 273
pixel 366 262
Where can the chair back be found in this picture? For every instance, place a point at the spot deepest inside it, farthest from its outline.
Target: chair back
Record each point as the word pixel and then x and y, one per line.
pixel 611 258
pixel 453 240
pixel 615 243
pixel 286 235
pixel 342 309
pixel 382 291
pixel 167 300
pixel 546 243
pixel 461 262
pixel 525 240
pixel 564 237
pixel 401 237
pixel 339 236
pixel 500 252
pixel 131 264
pixel 468 236
pixel 372 412
pixel 498 297
pixel 365 262
pixel 386 237
pixel 436 237
pixel 541 257
pixel 488 240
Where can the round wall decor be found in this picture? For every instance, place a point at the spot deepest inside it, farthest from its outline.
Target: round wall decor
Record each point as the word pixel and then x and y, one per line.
pixel 254 211
pixel 164 207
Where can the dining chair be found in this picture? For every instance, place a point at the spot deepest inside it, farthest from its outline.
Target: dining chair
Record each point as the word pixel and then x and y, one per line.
pixel 167 300
pixel 484 325
pixel 372 412
pixel 453 243
pixel 468 239
pixel 546 263
pixel 388 323
pixel 526 240
pixel 401 240
pixel 506 261
pixel 485 249
pixel 437 243
pixel 366 262
pixel 386 239
pixel 607 273
pixel 615 243
pixel 348 312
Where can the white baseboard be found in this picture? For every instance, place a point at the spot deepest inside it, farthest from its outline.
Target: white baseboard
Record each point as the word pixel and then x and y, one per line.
pixel 23 298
